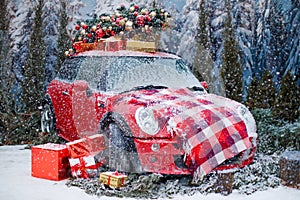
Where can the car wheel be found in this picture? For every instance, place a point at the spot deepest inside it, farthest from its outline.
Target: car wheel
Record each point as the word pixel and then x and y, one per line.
pixel 122 154
pixel 48 121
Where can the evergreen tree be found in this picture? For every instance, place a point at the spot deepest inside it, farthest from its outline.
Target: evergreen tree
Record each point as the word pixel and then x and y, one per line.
pixel 4 69
pixel 64 41
pixel 262 36
pixel 288 101
pixel 34 74
pixel 243 18
pixel 50 21
pixel 20 30
pixel 202 35
pixel 252 99
pixel 231 70
pixel 266 90
pixel 293 41
pixel 203 63
pixel 276 54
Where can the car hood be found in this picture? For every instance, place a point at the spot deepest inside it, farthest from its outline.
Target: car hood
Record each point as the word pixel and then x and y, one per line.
pixel 210 126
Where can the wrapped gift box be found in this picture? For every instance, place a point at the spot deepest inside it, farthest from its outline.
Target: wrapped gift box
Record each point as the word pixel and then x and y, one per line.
pixel 135 45
pixel 109 44
pixel 113 179
pixel 84 167
pixel 86 146
pixel 50 161
pixel 115 45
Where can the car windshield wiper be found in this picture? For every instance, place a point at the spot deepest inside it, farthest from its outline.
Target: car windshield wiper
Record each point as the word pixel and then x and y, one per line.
pixel 146 87
pixel 196 88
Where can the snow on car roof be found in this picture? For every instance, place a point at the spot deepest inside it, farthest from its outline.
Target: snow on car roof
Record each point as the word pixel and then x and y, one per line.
pixel 127 53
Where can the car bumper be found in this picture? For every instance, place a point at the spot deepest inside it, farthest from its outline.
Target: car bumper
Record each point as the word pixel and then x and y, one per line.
pixel 166 156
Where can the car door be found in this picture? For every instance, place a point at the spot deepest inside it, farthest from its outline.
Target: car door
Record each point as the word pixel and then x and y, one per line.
pixel 87 104
pixel 60 91
pixel 84 109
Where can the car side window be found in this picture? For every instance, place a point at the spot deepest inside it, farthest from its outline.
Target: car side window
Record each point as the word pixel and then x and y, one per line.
pixel 92 69
pixel 69 69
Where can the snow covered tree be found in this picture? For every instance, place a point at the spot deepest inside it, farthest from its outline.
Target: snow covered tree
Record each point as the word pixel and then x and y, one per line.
pixel 50 21
pixel 5 82
pixel 288 101
pixel 20 30
pixel 276 51
pixel 266 90
pixel 73 8
pixel 243 23
pixel 15 51
pixel 293 41
pixel 231 70
pixel 262 35
pixel 34 71
pixel 64 41
pixel 202 61
pixel 252 100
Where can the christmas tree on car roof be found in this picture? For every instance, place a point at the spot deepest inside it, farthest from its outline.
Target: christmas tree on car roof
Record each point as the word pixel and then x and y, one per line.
pixel 138 23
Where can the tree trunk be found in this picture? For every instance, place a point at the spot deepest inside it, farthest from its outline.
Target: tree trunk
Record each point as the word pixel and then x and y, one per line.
pixel 224 182
pixel 290 169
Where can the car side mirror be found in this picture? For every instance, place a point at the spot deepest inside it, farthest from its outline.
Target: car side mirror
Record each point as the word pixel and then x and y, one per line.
pixel 80 85
pixel 204 85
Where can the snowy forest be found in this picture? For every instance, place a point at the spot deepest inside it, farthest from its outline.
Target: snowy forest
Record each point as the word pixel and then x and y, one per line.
pixel 247 50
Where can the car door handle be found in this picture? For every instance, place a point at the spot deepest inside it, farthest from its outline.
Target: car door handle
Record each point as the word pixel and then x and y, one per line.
pixel 66 93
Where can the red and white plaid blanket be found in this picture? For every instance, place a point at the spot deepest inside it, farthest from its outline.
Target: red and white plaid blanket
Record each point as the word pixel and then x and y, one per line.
pixel 210 125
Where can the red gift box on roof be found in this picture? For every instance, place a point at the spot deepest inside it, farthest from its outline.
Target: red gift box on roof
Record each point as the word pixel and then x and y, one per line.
pixel 110 44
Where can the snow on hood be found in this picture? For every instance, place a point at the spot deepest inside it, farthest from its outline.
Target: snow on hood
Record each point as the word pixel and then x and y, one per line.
pixel 211 126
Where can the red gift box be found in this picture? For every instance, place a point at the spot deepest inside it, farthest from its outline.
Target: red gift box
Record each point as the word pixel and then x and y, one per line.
pixel 50 161
pixel 84 167
pixel 115 45
pixel 110 44
pixel 82 154
pixel 91 145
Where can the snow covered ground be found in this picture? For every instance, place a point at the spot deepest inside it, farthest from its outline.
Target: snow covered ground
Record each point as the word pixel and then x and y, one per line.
pixel 17 183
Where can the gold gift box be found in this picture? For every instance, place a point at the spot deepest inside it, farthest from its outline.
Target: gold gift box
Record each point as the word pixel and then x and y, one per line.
pixel 135 45
pixel 113 179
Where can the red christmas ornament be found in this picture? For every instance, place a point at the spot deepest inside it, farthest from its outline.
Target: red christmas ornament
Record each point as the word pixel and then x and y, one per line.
pixel 140 20
pixel 136 7
pixel 118 21
pixel 99 33
pixel 147 18
pixel 112 33
pixel 135 13
pixel 85 26
pixel 89 35
pixel 84 40
pixel 77 27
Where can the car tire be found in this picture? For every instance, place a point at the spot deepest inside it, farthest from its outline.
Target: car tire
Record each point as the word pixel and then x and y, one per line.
pixel 122 155
pixel 48 121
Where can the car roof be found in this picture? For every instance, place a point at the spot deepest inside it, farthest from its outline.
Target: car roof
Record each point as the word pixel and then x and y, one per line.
pixel 127 53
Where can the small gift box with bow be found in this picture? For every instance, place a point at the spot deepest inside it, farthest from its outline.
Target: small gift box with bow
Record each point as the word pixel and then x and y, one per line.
pixel 113 179
pixel 84 167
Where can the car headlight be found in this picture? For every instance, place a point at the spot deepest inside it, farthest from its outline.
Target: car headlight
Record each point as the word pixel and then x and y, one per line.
pixel 146 120
pixel 249 121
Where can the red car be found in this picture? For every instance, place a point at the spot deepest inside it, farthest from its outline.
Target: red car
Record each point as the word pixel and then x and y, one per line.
pixel 154 114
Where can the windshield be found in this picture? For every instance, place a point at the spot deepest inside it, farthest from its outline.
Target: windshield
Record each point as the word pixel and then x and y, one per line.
pixel 119 74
